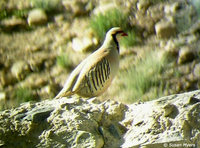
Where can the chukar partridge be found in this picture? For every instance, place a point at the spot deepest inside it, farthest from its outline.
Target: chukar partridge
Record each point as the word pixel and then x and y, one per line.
pixel 95 74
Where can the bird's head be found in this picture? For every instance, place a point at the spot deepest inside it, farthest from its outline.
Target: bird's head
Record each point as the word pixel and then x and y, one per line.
pixel 113 35
pixel 116 31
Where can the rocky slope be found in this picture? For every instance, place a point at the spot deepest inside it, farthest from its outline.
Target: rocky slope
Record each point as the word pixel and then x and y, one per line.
pixel 171 121
pixel 33 41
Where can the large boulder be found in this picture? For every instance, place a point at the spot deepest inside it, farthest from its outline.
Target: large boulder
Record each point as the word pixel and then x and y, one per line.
pixel 69 122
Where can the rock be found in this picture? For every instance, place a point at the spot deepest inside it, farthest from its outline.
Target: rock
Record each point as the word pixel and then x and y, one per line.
pixel 151 127
pixel 172 8
pixel 59 19
pixel 6 79
pixel 144 22
pixel 185 16
pixel 165 29
pixel 84 44
pixel 103 8
pixel 72 122
pixel 146 19
pixel 2 100
pixel 49 91
pixel 13 23
pixel 156 12
pixel 143 4
pixel 37 63
pixel 171 48
pixel 196 70
pixel 76 7
pixel 35 80
pixel 37 17
pixel 184 70
pixel 20 69
pixel 2 96
pixel 195 28
pixel 186 55
pixel 191 39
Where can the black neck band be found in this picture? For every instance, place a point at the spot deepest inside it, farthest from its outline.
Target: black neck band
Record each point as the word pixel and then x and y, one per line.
pixel 116 42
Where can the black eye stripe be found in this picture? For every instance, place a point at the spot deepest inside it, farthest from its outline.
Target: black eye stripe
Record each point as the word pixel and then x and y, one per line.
pixel 116 42
pixel 119 32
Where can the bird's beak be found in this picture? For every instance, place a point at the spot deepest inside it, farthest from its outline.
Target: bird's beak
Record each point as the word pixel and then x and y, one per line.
pixel 124 34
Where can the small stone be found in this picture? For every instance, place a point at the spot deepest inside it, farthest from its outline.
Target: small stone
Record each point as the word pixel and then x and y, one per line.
pixel 143 4
pixel 184 69
pixel 20 69
pixel 2 96
pixel 34 80
pixel 168 9
pixel 76 7
pixel 32 48
pixel 155 12
pixel 103 8
pixel 6 78
pixel 165 29
pixel 59 18
pixel 171 48
pixel 2 100
pixel 37 17
pixel 185 55
pixel 13 23
pixel 197 70
pixel 84 44
pixel 195 28
pixel 191 39
pixel 49 91
pixel 36 64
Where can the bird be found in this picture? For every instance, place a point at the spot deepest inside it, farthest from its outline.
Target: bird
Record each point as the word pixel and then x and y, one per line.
pixel 93 75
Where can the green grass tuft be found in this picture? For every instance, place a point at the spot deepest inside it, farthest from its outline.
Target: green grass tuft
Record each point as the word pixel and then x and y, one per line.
pixel 23 94
pixel 3 14
pixel 101 23
pixel 17 13
pixel 64 61
pixel 144 81
pixel 47 5
pixel 20 13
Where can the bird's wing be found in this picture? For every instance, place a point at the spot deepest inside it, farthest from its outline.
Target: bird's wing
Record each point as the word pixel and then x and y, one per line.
pixel 89 65
pixel 71 81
